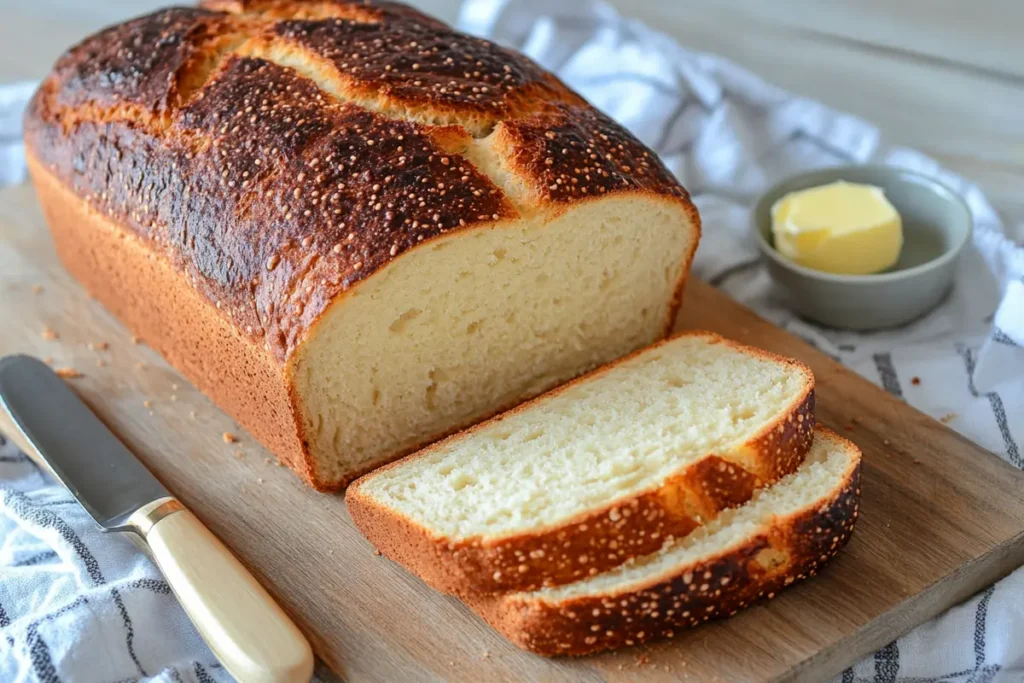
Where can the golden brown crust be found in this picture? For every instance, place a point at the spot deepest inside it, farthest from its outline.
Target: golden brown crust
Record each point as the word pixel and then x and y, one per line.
pixel 277 153
pixel 603 538
pixel 794 547
pixel 118 268
pixel 272 195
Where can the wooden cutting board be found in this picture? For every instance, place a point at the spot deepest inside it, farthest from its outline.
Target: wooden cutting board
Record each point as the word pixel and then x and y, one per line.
pixel 941 518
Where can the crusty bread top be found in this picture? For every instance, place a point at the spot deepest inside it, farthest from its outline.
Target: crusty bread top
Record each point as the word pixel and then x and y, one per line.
pixel 279 152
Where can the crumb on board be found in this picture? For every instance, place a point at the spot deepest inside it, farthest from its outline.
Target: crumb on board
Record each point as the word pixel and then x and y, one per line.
pixel 48 360
pixel 147 403
pixel 915 380
pixel 259 480
pixel 885 441
pixel 68 373
pixel 239 453
pixel 643 660
pixel 947 418
pixel 486 654
pixel 151 413
pixel 192 414
pixel 99 346
pixel 174 397
pixel 140 365
pixel 229 437
pixel 174 387
pixel 136 340
pixel 49 334
pixel 37 289
pixel 266 460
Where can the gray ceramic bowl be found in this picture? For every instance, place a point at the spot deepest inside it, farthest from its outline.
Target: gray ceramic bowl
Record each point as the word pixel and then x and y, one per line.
pixel 936 227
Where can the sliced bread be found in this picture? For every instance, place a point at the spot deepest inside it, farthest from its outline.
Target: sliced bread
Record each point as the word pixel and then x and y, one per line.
pixel 606 468
pixel 785 533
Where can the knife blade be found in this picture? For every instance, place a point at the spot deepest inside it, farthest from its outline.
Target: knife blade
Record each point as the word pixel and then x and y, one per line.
pixel 248 631
pixel 80 451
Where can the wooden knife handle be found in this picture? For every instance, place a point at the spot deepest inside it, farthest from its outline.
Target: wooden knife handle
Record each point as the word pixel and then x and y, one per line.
pixel 246 629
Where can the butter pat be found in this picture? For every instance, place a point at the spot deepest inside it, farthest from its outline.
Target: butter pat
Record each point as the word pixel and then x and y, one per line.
pixel 844 228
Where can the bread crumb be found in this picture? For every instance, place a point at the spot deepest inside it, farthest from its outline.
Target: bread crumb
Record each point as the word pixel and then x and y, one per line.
pixel 485 655
pixel 451 663
pixel 885 441
pixel 147 403
pixel 174 387
pixel 136 340
pixel 915 380
pixel 643 660
pixel 37 289
pixel 151 413
pixel 192 414
pixel 375 552
pixel 100 363
pixel 48 360
pixel 266 460
pixel 174 397
pixel 98 346
pixel 140 366
pixel 229 437
pixel 259 480
pixel 947 418
pixel 68 373
pixel 49 335
pixel 239 454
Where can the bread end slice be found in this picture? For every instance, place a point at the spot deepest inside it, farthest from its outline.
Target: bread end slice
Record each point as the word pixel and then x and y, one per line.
pixel 785 534
pixel 611 531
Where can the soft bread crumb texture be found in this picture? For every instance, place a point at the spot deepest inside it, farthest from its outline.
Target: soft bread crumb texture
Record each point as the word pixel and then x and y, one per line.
pixel 465 325
pixel 785 534
pixel 827 465
pixel 598 441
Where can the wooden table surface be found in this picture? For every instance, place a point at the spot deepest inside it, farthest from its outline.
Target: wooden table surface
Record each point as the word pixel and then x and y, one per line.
pixel 944 76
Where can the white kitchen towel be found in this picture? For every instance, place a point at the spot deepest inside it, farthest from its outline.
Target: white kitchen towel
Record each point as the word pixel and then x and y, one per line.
pixel 77 605
pixel 727 135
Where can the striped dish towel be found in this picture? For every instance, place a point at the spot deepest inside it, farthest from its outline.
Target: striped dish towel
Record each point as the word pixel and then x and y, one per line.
pixel 77 605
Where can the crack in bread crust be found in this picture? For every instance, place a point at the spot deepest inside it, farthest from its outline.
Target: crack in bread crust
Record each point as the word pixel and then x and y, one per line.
pixel 210 185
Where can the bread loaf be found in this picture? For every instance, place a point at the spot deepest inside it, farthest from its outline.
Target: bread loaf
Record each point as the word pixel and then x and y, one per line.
pixel 787 532
pixel 354 228
pixel 595 473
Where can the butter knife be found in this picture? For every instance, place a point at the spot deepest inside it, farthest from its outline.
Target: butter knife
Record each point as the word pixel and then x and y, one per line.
pixel 248 632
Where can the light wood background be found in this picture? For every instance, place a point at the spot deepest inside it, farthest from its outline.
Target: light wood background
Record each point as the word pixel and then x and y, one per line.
pixel 944 76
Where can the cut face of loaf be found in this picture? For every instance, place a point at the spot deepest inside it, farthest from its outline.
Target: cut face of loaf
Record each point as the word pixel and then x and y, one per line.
pixel 356 229
pixel 785 533
pixel 604 469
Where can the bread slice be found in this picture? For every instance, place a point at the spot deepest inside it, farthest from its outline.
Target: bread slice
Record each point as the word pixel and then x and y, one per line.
pixel 606 468
pixel 785 533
